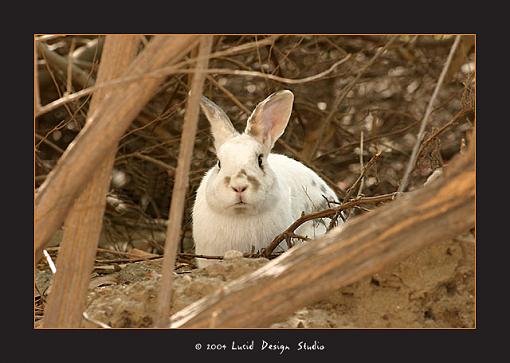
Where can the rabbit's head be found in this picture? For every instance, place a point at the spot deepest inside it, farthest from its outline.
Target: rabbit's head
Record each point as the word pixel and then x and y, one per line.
pixel 242 182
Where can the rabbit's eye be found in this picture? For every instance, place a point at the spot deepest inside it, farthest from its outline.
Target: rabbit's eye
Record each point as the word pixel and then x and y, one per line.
pixel 219 164
pixel 260 160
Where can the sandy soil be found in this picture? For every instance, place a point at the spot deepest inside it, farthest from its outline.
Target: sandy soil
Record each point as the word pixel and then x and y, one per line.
pixel 433 288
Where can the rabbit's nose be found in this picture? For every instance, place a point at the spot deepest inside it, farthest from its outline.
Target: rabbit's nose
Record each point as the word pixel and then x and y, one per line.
pixel 240 188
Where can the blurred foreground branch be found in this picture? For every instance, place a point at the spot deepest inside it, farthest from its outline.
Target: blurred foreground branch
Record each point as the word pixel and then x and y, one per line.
pixel 66 302
pixel 181 182
pixel 100 134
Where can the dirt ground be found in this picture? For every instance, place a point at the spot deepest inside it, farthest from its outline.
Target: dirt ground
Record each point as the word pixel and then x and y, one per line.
pixel 433 288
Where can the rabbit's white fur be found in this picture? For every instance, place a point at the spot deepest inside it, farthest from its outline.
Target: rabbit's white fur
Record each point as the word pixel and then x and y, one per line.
pixel 243 206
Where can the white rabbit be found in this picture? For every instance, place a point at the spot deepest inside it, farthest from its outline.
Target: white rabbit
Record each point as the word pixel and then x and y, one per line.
pixel 251 195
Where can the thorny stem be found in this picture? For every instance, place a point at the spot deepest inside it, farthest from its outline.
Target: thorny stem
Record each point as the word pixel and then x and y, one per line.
pixel 421 133
pixel 331 212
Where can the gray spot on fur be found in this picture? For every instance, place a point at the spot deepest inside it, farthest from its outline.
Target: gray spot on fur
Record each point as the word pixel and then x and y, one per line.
pixel 314 183
pixel 240 210
pixel 227 180
pixel 253 130
pixel 254 182
pixel 323 188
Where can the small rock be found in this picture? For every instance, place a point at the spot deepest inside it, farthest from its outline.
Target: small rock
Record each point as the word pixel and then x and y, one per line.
pixel 229 255
pixel 251 88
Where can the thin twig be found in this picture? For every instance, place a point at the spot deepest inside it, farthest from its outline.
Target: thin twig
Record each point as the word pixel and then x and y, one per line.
pixel 369 139
pixel 238 72
pixel 96 322
pixel 361 178
pixel 69 98
pixel 49 143
pixel 437 133
pixel 362 174
pixel 104 250
pixel 47 37
pixel 41 178
pixel 70 67
pixel 362 168
pixel 170 169
pixel 344 93
pixel 209 257
pixel 55 83
pixel 37 95
pixel 50 261
pixel 81 77
pixel 414 155
pixel 176 70
pixel 229 95
pixel 128 260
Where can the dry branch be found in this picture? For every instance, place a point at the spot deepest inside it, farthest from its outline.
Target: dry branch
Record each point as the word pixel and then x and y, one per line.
pixel 339 99
pixel 169 168
pixel 365 245
pixel 438 132
pixel 326 213
pixel 37 96
pixel 66 302
pixel 158 72
pixel 100 134
pixel 173 234
pixel 364 170
pixel 81 78
pixel 414 156
pixel 237 72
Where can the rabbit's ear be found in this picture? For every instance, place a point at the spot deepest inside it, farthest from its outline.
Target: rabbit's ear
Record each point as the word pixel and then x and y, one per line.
pixel 221 127
pixel 269 119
